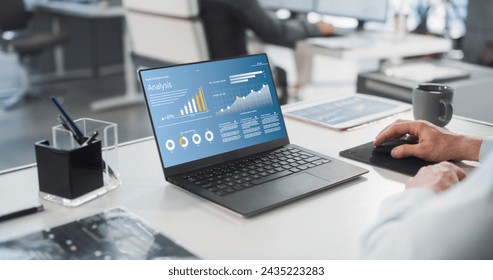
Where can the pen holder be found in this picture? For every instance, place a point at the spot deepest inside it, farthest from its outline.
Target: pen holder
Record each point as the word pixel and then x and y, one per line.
pixel 68 177
pixel 69 174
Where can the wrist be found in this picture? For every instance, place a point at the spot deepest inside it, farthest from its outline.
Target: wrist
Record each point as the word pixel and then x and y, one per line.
pixel 469 148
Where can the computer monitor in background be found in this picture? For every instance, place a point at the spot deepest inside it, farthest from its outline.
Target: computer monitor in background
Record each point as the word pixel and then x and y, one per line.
pixel 362 10
pixel 298 6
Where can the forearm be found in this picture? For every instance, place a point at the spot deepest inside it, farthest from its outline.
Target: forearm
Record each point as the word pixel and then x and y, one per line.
pixel 285 33
pixel 271 29
pixel 467 148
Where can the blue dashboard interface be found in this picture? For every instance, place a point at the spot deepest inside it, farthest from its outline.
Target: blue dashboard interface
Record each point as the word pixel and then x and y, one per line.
pixel 205 109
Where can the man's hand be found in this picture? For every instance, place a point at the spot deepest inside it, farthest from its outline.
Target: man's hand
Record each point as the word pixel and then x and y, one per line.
pixel 438 177
pixel 434 143
pixel 326 29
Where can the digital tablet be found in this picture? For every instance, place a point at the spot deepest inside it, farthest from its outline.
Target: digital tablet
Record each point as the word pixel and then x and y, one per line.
pixel 346 111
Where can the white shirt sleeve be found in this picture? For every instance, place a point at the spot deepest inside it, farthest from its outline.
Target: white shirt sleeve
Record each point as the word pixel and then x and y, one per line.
pixel 486 148
pixel 419 224
pixel 393 211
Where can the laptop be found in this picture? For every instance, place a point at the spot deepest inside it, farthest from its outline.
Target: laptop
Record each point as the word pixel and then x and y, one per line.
pixel 221 135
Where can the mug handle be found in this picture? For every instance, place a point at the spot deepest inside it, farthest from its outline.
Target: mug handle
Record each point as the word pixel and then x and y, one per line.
pixel 448 110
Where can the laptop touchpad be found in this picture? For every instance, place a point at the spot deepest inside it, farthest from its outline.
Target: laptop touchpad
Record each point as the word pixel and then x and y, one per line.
pixel 275 192
pixel 296 185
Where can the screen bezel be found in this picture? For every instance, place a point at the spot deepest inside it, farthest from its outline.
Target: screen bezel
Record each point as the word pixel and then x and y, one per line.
pixel 227 156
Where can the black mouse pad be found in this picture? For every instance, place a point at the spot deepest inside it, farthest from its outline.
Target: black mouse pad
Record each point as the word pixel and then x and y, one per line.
pixel 364 153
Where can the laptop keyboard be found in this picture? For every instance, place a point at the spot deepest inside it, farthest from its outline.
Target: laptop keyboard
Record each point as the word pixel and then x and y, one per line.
pixel 242 174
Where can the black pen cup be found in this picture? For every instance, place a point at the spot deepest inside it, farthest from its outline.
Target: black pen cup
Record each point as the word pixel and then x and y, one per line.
pixel 76 180
pixel 69 174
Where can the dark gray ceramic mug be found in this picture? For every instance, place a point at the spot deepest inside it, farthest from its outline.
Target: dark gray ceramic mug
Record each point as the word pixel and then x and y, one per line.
pixel 433 103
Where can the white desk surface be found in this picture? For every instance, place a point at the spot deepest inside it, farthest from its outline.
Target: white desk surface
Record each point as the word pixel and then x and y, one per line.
pixel 365 45
pixel 376 45
pixel 328 225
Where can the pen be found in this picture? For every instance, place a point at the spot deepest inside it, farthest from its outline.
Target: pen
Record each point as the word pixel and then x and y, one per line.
pixel 62 122
pixel 67 122
pixel 90 139
pixel 21 213
pixel 69 128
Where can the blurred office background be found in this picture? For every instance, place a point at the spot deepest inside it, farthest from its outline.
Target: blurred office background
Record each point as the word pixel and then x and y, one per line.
pixel 87 52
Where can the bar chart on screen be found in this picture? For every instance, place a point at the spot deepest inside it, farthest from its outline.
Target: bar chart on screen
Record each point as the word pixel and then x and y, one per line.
pixel 194 105
pixel 191 104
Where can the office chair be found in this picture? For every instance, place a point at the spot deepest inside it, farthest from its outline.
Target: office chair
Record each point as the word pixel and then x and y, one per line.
pixel 17 39
pixel 157 33
pixel 168 31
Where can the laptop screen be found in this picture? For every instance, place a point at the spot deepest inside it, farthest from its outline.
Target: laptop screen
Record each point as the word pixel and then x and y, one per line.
pixel 209 108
